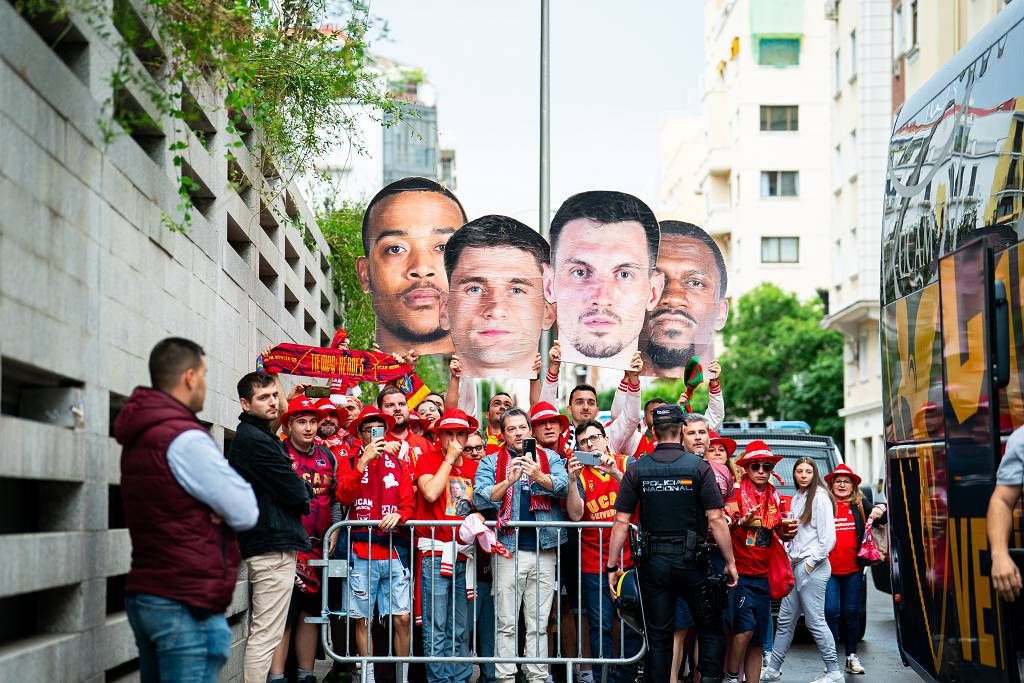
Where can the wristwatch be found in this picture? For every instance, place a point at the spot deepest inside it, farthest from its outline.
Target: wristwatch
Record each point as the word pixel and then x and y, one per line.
pixel 611 570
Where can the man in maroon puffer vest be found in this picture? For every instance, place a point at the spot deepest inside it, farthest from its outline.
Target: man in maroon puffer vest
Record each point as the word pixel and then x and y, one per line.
pixel 183 504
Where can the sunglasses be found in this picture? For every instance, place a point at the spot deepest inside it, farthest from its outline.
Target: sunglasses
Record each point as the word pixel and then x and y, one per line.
pixel 761 467
pixel 473 449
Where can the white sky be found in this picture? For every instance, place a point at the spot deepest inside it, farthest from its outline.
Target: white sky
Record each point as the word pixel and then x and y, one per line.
pixel 617 72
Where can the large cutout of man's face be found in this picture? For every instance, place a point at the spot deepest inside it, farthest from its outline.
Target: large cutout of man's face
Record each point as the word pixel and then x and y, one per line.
pixel 692 306
pixel 403 269
pixel 602 278
pixel 495 309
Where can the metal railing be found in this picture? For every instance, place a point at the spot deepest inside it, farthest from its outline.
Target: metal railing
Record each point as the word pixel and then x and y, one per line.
pixel 409 533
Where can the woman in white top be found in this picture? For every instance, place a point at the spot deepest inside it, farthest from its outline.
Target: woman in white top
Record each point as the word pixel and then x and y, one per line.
pixel 814 508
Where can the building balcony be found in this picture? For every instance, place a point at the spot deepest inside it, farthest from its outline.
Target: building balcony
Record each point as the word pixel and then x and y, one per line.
pixel 717 162
pixel 718 222
pixel 847 319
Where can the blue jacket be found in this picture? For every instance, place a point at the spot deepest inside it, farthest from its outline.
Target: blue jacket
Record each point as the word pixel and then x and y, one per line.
pixel 484 482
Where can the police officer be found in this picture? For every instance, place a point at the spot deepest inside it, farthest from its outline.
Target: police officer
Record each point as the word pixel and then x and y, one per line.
pixel 679 501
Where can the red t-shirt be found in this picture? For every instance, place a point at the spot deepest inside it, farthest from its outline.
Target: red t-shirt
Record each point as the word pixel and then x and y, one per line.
pixel 751 546
pixel 459 487
pixel 417 445
pixel 599 494
pixel 843 557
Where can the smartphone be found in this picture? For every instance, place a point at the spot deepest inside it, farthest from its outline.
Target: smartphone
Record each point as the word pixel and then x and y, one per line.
pixel 530 448
pixel 591 459
pixel 317 392
pixel 376 433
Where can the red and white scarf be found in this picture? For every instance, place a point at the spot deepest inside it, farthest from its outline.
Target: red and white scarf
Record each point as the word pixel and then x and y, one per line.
pixel 766 504
pixel 504 465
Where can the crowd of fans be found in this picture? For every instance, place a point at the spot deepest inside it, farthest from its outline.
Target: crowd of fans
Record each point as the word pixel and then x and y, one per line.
pixel 301 462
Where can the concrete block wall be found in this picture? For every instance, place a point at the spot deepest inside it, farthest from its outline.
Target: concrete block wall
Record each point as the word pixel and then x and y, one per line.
pixel 89 281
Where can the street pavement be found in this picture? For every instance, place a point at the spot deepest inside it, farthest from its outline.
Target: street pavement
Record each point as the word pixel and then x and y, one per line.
pixel 878 653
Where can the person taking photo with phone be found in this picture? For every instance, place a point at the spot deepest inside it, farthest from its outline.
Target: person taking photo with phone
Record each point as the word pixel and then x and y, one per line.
pixel 520 480
pixel 377 486
pixel 594 477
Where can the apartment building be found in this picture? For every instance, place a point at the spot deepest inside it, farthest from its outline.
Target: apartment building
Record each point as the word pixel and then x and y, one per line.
pixel 765 173
pixel 861 118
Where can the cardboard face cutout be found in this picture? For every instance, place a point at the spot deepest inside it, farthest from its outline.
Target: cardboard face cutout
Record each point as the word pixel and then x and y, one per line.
pixel 405 233
pixel 495 310
pixel 692 306
pixel 602 277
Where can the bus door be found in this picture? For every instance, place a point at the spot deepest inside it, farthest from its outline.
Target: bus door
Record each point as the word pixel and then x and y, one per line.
pixel 973 338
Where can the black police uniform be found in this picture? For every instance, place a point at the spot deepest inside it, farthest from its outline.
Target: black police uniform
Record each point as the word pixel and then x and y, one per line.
pixel 674 489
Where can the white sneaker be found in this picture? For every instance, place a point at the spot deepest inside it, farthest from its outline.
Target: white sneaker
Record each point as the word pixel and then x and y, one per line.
pixel 770 674
pixel 830 677
pixel 730 679
pixel 585 676
pixel 853 665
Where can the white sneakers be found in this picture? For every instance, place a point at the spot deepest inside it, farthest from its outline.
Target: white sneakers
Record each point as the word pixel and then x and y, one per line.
pixel 853 665
pixel 829 677
pixel 770 674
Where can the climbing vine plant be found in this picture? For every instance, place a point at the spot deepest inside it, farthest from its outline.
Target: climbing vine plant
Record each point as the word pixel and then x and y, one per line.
pixel 288 73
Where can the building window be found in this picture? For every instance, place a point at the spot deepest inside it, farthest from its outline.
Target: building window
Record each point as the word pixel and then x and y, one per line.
pixel 862 356
pixel 852 161
pixel 778 51
pixel 837 71
pixel 898 31
pixel 780 183
pixel 780 250
pixel 780 117
pixel 913 24
pixel 853 54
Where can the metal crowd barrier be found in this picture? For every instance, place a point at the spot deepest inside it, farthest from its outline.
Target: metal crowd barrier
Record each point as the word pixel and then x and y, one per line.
pixel 339 568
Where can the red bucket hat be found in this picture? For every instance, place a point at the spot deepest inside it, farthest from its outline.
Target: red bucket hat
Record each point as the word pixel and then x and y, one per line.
pixel 757 451
pixel 301 404
pixel 454 420
pixel 327 406
pixel 371 412
pixel 729 444
pixel 543 411
pixel 844 470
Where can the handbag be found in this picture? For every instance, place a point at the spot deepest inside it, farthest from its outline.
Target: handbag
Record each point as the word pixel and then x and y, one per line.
pixel 780 571
pixel 869 554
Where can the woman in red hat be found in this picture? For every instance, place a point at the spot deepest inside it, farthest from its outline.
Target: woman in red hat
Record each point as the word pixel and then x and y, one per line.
pixel 846 587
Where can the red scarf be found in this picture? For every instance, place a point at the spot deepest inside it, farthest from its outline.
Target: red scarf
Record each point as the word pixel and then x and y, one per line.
pixel 504 464
pixel 766 504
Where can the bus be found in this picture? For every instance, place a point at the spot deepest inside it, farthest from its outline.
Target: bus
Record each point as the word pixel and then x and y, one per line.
pixel 952 338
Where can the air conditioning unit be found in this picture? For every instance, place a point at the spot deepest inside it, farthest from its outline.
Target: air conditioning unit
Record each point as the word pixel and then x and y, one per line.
pixel 831 10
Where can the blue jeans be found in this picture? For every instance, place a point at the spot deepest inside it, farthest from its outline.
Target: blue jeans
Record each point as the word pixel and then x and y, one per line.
pixel 485 627
pixel 842 605
pixel 444 605
pixel 173 646
pixel 597 601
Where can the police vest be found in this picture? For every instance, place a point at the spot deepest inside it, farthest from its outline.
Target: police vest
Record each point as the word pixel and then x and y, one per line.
pixel 669 497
